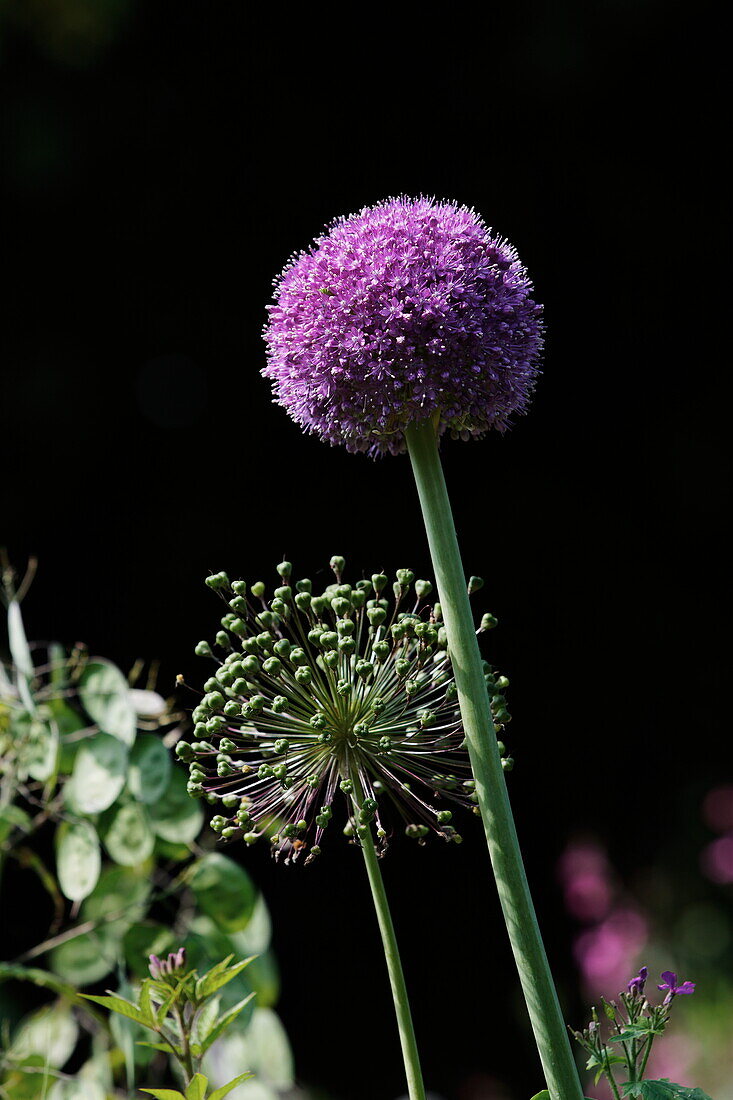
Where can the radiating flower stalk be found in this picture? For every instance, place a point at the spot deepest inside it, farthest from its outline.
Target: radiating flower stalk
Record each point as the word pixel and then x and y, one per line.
pixel 333 701
pixel 403 322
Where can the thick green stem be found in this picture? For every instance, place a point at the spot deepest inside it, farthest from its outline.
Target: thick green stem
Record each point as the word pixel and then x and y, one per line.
pixel 537 985
pixel 413 1073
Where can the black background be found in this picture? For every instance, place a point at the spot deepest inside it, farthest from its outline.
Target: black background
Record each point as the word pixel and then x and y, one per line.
pixel 155 184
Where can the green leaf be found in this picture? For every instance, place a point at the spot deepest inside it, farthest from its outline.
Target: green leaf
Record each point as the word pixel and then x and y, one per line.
pixel 663 1089
pixel 105 695
pixel 177 817
pixel 150 768
pixel 635 1031
pixel 219 1094
pixel 12 817
pixel 51 1032
pixel 145 939
pixel 42 978
pixel 223 1023
pixel 78 859
pixel 98 775
pixel 165 1094
pixel 264 977
pixel 128 836
pixel 218 976
pixel 86 958
pixel 544 1095
pixel 41 749
pixel 123 1007
pixel 224 891
pixel 21 654
pixel 197 1087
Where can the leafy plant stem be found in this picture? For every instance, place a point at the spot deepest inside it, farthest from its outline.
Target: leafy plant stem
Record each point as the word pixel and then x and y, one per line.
pixel 413 1072
pixel 537 984
pixel 186 1061
pixel 647 1052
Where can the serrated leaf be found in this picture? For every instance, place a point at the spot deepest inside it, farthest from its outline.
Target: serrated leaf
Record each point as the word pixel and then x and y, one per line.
pixel 197 1086
pixel 78 859
pixel 634 1031
pixel 221 1026
pixel 662 1089
pixel 220 1093
pixel 150 768
pixel 123 1008
pixel 105 696
pixel 98 775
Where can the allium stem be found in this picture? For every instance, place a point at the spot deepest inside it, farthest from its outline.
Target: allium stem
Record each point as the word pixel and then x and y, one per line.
pixel 413 1073
pixel 537 985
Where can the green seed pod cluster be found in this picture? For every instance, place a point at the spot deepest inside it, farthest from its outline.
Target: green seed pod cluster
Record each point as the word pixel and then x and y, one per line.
pixel 346 691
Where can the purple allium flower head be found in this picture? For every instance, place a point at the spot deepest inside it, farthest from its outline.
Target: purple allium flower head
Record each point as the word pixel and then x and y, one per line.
pixel 408 310
pixel 670 983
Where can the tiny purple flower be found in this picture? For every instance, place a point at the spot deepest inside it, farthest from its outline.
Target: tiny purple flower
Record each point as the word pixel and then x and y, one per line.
pixel 636 985
pixel 410 310
pixel 670 983
pixel 163 968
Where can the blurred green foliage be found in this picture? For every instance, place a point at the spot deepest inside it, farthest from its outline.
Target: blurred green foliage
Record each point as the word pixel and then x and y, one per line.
pixel 98 821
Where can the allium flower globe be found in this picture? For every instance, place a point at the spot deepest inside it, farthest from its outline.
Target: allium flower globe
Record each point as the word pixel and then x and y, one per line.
pixel 407 310
pixel 347 698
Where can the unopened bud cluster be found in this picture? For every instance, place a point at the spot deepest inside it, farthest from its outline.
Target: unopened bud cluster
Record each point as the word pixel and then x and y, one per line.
pixel 348 692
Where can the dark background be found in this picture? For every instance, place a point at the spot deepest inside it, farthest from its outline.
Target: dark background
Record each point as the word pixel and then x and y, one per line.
pixel 162 161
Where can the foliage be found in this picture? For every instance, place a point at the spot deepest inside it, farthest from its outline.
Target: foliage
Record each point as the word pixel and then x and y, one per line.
pixel 92 811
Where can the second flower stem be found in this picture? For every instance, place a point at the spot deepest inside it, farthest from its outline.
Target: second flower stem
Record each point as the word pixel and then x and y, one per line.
pixel 413 1073
pixel 501 836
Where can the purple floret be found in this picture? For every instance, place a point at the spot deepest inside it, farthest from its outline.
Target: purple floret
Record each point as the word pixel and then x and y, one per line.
pixel 408 309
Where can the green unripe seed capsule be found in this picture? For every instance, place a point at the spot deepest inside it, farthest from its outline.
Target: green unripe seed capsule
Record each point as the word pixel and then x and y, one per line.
pixel 331 659
pixel 379 580
pixel 230 831
pixel 285 568
pixel 345 627
pixel 228 619
pixel 285 593
pixel 444 816
pixel 298 656
pixel 203 649
pixel 303 585
pixel 184 751
pixel 358 599
pixel 338 564
pixel 405 577
pixel 218 581
pixel 232 709
pixel 475 584
pixel 364 669
pixel 240 686
pixel 273 666
pixel 488 621
pixel 411 687
pixel 376 615
pixel 381 650
pixel 218 823
pixel 239 604
pixel 215 725
pixel 282 647
pixel 238 627
pixel 346 786
pixel 239 588
pixel 281 745
pixel 303 675
pixel 423 589
pixel 222 640
pixel 347 645
pixel 265 640
pixel 303 601
pixel 211 684
pixel 280 608
pixel 230 801
pixel 328 639
pixel 279 704
pixel 508 763
pixel 340 605
pixel 318 605
pixel 225 745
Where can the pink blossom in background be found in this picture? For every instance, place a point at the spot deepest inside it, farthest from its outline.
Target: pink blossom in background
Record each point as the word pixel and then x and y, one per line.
pixel 606 952
pixel 585 874
pixel 716 860
pixel 717 809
